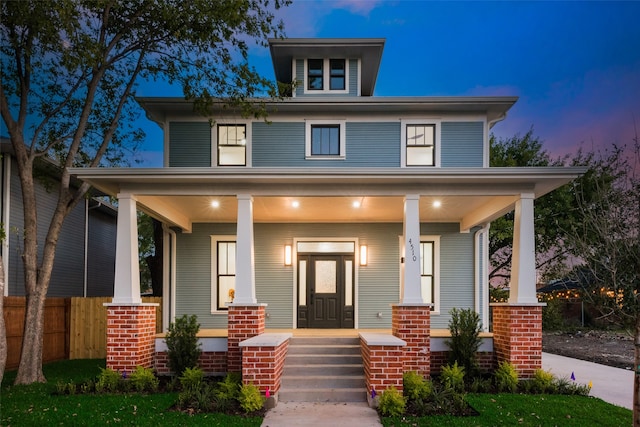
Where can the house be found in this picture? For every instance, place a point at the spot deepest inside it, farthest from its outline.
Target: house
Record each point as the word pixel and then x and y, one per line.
pixel 85 254
pixel 345 211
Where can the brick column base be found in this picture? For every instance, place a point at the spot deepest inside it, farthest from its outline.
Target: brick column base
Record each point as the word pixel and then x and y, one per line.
pixel 517 336
pixel 382 357
pixel 245 321
pixel 412 324
pixel 131 331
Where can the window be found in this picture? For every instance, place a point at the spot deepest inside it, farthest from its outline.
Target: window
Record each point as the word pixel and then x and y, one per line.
pixel 325 139
pixel 224 274
pixel 315 79
pixel 232 145
pixel 430 270
pixel 420 145
pixel 326 76
pixel 336 74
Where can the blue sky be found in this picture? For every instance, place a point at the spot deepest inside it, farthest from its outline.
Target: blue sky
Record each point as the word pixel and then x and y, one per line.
pixel 574 65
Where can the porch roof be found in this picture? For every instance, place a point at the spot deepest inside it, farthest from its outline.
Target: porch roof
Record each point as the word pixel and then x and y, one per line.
pixel 470 196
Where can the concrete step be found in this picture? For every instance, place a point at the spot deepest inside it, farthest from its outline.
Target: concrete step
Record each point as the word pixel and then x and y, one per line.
pixel 323 341
pixel 324 349
pixel 323 369
pixel 323 381
pixel 323 395
pixel 323 359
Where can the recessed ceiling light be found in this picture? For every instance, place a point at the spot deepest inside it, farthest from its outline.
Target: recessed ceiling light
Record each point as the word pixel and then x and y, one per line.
pixel 215 204
pixel 295 204
pixel 437 204
pixel 356 204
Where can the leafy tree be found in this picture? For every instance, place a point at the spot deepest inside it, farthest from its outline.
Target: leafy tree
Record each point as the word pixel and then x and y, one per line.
pixel 69 74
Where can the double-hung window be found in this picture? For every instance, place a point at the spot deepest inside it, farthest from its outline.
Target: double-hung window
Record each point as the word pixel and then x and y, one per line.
pixel 325 139
pixel 326 75
pixel 315 78
pixel 337 74
pixel 224 271
pixel 430 270
pixel 232 144
pixel 420 144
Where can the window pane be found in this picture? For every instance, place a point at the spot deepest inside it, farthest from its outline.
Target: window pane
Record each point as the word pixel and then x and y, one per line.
pixel 426 257
pixel 231 156
pixel 420 156
pixel 302 282
pixel 231 134
pixel 222 258
pixel 337 74
pixel 314 74
pixel 426 283
pixel 325 140
pixel 326 247
pixel 348 283
pixel 226 289
pixel 325 277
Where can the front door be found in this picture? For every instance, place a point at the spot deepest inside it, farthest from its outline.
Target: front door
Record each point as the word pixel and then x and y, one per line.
pixel 328 300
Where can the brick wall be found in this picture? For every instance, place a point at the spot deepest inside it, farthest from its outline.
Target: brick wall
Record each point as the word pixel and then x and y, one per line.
pixel 412 324
pixel 244 322
pixel 263 366
pixel 517 337
pixel 486 360
pixel 211 362
pixel 131 333
pixel 383 366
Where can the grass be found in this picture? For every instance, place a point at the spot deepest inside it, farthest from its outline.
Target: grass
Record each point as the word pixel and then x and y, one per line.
pixel 527 410
pixel 36 405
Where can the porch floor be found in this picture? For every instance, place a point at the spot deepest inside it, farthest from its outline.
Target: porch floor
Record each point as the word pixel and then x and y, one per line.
pixel 222 333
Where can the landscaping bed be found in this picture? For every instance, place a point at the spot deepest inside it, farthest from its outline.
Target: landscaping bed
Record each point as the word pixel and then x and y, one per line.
pixel 611 348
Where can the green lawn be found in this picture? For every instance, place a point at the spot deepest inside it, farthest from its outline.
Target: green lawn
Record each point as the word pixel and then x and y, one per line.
pixel 36 405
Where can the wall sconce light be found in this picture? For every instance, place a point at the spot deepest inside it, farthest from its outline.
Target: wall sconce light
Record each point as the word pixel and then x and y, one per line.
pixel 287 255
pixel 363 255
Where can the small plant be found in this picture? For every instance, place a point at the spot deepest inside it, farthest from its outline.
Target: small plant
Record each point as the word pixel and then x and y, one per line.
pixel 143 379
pixel 391 403
pixel 452 377
pixel 108 381
pixel 506 377
pixel 250 398
pixel 480 385
pixel 191 378
pixel 543 382
pixel 182 343
pixel 198 399
pixel 415 386
pixel 227 391
pixel 465 327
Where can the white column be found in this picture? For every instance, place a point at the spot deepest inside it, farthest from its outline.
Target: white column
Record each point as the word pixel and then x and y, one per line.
pixel 126 288
pixel 412 292
pixel 523 263
pixel 245 268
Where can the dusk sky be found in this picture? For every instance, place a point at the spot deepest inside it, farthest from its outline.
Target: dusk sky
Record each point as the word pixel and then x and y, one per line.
pixel 575 66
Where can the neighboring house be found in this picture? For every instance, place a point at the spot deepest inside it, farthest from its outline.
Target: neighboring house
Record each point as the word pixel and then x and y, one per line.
pixel 85 255
pixel 344 211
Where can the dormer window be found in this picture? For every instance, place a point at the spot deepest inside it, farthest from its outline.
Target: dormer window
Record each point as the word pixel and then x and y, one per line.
pixel 326 75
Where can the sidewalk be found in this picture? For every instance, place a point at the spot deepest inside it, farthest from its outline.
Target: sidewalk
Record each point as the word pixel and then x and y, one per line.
pixel 613 385
pixel 321 414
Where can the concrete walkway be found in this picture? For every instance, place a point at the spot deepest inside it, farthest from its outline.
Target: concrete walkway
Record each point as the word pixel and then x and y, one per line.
pixel 321 414
pixel 613 385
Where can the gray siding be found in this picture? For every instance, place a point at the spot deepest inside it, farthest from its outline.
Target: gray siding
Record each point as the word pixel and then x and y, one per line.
pixel 462 144
pixel 368 144
pixel 352 77
pixel 189 144
pixel 378 281
pixel 101 259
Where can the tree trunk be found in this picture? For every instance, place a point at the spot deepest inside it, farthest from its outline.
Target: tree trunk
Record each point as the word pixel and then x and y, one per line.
pixel 3 330
pixel 30 369
pixel 636 377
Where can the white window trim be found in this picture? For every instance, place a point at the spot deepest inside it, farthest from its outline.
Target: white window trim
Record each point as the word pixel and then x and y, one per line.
pixel 214 142
pixel 436 268
pixel 326 77
pixel 403 140
pixel 214 270
pixel 307 139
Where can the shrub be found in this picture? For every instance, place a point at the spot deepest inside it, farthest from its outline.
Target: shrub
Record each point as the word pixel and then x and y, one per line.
pixel 465 328
pixel 480 385
pixel 227 391
pixel 182 343
pixel 553 315
pixel 415 386
pixel 191 378
pixel 506 377
pixel 391 403
pixel 143 379
pixel 543 382
pixel 452 377
pixel 198 399
pixel 250 398
pixel 108 381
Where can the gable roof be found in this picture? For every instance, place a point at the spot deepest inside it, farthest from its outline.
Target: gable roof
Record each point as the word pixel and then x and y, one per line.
pixel 369 51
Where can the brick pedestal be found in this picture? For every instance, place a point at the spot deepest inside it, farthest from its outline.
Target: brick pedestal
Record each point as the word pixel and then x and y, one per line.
pixel 382 357
pixel 412 323
pixel 517 336
pixel 245 321
pixel 131 331
pixel 263 363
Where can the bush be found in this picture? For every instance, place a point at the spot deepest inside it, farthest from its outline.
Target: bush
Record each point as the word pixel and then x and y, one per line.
pixel 182 343
pixel 465 328
pixel 391 403
pixel 506 377
pixel 143 379
pixel 191 378
pixel 108 381
pixel 452 377
pixel 227 391
pixel 553 315
pixel 250 398
pixel 542 382
pixel 415 386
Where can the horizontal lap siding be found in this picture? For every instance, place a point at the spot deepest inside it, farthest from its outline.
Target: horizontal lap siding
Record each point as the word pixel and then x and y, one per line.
pixel 101 258
pixel 378 281
pixel 189 144
pixel 462 144
pixel 277 144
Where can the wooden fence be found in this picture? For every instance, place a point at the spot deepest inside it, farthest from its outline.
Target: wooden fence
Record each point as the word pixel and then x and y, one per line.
pixel 74 328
